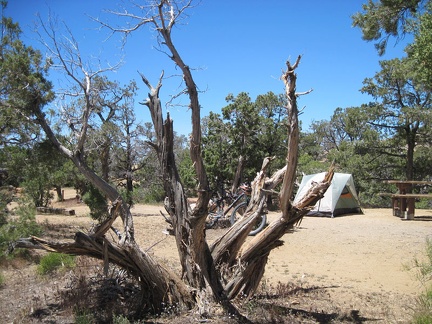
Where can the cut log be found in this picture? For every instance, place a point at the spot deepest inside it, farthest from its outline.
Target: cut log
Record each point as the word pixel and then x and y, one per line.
pixel 55 211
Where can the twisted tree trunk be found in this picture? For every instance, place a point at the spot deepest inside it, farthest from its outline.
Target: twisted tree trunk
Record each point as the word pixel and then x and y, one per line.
pixel 231 266
pixel 243 263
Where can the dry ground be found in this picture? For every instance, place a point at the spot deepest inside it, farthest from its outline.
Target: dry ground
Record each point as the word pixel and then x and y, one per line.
pixel 347 269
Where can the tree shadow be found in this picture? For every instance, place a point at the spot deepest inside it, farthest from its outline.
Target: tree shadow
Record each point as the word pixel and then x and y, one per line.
pixel 281 311
pixel 422 218
pixel 288 290
pixel 279 305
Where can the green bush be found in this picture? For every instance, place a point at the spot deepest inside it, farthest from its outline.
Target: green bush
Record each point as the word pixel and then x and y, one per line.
pixel 55 261
pixel 425 267
pixel 83 317
pixel 120 319
pixel 24 225
pixel 97 203
pixel 423 319
pixel 6 196
pixel 423 203
pixel 2 279
pixel 423 313
pixel 154 195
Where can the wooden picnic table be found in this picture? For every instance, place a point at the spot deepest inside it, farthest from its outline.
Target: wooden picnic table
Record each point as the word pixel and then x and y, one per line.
pixel 403 202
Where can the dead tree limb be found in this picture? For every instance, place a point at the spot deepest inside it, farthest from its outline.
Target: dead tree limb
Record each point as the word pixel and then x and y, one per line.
pixel 231 266
pixel 243 263
pixel 159 284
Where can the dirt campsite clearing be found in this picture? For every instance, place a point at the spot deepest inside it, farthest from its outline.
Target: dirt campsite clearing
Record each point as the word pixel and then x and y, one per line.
pixel 363 263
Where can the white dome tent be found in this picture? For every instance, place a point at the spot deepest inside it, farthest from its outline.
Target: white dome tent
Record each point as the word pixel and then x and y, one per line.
pixel 340 198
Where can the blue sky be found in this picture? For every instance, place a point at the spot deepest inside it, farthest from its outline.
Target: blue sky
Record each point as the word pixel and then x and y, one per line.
pixel 236 46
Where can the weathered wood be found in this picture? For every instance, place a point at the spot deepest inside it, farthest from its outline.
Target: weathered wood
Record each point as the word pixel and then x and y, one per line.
pixel 233 266
pixel 198 268
pixel 408 182
pixel 161 284
pixel 56 211
pixel 385 194
pixel 243 262
pixel 411 195
pixel 403 205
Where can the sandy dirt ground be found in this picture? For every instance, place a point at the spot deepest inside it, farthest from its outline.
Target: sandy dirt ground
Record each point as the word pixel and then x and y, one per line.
pixel 369 252
pixel 351 256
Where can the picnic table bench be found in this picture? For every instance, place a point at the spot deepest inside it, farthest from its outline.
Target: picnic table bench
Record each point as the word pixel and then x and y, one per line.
pixel 403 202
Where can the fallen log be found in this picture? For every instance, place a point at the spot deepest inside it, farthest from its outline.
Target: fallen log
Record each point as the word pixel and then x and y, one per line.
pixel 55 211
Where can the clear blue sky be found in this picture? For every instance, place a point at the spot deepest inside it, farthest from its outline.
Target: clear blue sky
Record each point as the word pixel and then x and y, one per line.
pixel 237 46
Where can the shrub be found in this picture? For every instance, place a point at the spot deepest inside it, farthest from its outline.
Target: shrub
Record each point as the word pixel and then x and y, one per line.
pixel 6 196
pixel 423 203
pixel 154 195
pixel 24 225
pixel 54 261
pixel 425 267
pixel 97 203
pixel 423 313
pixel 83 317
pixel 2 279
pixel 120 319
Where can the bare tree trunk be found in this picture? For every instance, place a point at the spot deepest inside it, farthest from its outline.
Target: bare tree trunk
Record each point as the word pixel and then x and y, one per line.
pixel 189 225
pixel 105 159
pixel 243 262
pixel 232 265
pixel 411 143
pixel 59 193
pixel 129 167
pixel 159 285
pixel 239 171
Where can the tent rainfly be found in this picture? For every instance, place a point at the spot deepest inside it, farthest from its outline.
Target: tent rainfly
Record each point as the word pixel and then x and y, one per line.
pixel 340 198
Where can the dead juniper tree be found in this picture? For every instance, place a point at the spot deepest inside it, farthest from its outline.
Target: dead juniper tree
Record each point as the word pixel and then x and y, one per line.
pixel 229 267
